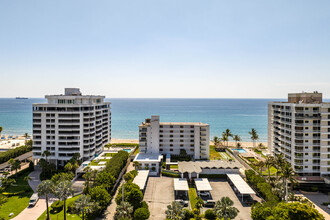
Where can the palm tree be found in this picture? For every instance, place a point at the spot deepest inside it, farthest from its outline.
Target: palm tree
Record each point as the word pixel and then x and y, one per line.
pixel 288 175
pixel 46 187
pixel 216 141
pixel 124 211
pixel 136 164
pixel 254 136
pixel 15 165
pixel 46 154
pixel 260 164
pixel 228 134
pixel 224 210
pixel 175 211
pixel 26 135
pixel 199 203
pixel 0 129
pixel 268 163
pixel 279 161
pixel 224 138
pixel 84 205
pixel 27 178
pixel 237 138
pixel 63 191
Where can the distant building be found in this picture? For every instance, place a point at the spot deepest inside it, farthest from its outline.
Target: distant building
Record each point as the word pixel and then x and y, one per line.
pixel 300 129
pixel 157 137
pixel 71 123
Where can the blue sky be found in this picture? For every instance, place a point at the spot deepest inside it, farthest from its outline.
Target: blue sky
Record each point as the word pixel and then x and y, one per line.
pixel 165 48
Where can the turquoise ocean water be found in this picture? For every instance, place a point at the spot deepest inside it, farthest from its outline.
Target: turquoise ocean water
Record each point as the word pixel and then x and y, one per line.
pixel 239 115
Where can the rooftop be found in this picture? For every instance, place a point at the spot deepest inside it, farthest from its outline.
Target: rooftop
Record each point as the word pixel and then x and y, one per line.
pixel 141 178
pixel 180 184
pixel 148 157
pixel 197 166
pixel 202 184
pixel 240 184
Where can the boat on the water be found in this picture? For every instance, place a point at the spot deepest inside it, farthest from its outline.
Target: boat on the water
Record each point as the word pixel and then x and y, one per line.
pixel 21 98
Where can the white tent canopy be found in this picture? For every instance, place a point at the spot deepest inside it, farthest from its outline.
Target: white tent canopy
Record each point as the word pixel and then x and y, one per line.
pixel 240 184
pixel 141 178
pixel 180 184
pixel 202 184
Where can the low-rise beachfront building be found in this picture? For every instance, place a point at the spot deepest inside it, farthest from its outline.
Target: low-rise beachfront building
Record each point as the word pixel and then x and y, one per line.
pixel 71 123
pixel 157 137
pixel 192 169
pixel 300 129
pixel 151 162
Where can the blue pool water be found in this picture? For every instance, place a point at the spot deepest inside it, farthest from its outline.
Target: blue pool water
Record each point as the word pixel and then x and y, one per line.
pixel 240 150
pixel 127 150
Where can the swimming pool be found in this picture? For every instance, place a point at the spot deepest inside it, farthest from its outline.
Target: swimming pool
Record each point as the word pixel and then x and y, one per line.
pixel 127 150
pixel 240 150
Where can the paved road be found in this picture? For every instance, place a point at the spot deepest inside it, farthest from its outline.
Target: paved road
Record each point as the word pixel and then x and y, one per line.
pixel 318 199
pixel 159 194
pixel 221 188
pixel 40 207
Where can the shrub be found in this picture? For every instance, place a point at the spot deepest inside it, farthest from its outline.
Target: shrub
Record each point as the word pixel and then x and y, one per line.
pixel 170 174
pixel 134 173
pixel 71 209
pixel 100 194
pixel 153 168
pixel 141 214
pixel 57 206
pixel 128 177
pixel 188 214
pixel 209 214
pixel 31 166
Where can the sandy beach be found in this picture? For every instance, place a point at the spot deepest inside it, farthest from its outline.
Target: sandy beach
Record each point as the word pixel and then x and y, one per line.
pixel 136 141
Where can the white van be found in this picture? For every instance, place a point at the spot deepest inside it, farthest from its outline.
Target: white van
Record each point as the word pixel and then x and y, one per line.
pixel 33 200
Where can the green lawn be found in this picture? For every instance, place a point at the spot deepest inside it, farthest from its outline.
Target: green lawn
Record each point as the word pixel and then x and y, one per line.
pixel 192 196
pixel 61 213
pixel 251 159
pixel 273 171
pixel 108 155
pixel 137 151
pixel 16 204
pixel 214 155
pixel 94 163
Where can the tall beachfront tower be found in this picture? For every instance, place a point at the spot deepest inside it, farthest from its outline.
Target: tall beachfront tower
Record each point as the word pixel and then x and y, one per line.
pixel 300 129
pixel 157 137
pixel 71 123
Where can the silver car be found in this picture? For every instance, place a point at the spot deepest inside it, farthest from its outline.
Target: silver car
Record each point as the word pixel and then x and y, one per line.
pixel 33 200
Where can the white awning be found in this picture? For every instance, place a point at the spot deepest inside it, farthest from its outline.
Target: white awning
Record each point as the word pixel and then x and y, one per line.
pixel 180 184
pixel 141 178
pixel 240 184
pixel 203 184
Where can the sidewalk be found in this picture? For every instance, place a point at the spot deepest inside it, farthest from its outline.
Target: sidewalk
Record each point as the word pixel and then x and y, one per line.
pixel 40 207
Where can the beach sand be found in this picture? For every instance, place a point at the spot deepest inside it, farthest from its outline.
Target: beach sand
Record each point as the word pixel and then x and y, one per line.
pixel 136 141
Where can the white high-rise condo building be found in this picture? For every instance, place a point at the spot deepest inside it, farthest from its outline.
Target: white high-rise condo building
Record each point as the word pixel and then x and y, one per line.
pixel 71 123
pixel 157 137
pixel 300 129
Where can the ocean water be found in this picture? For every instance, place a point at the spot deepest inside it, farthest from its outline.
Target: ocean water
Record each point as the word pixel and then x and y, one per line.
pixel 239 115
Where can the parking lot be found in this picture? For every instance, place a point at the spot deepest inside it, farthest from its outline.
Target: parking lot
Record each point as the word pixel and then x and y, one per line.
pixel 221 188
pixel 159 194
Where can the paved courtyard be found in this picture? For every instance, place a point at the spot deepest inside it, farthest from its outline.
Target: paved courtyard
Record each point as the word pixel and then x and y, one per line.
pixel 221 188
pixel 159 194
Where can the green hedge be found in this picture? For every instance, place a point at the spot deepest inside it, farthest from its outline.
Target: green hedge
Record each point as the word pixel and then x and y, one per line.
pixel 263 188
pixel 18 151
pixel 170 174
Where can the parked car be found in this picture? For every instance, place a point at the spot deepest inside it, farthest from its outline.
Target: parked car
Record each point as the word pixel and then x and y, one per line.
pixel 33 200
pixel 182 202
pixel 209 203
pixel 204 193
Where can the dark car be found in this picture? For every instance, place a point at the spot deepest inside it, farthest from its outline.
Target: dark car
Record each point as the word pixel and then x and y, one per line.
pixel 209 203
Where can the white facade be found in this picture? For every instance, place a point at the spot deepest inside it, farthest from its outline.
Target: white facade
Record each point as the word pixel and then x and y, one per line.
pixel 71 123
pixel 157 137
pixel 300 129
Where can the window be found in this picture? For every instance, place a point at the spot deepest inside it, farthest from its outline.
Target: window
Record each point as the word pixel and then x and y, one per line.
pixel 171 126
pixel 171 149
pixel 181 136
pixel 181 126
